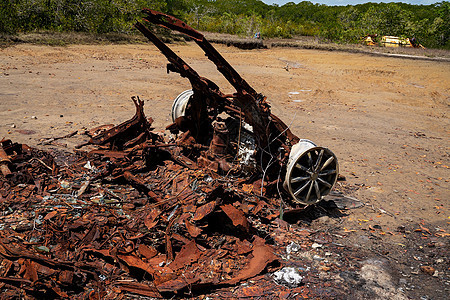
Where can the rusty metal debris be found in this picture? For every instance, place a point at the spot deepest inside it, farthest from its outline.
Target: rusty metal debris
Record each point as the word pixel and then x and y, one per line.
pixel 156 216
pixel 4 161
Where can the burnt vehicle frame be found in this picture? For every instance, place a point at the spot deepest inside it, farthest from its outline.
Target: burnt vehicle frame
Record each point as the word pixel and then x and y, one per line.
pixel 208 119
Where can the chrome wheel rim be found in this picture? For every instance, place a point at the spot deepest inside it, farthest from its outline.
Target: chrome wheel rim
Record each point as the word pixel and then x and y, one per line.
pixel 312 175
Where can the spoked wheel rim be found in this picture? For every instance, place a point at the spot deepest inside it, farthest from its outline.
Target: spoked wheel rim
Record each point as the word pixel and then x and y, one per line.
pixel 180 103
pixel 312 175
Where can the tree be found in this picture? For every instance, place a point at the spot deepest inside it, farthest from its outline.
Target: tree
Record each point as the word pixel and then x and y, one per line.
pixel 441 25
pixel 8 13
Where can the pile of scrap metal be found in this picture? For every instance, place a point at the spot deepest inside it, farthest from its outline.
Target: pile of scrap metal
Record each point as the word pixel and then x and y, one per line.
pixel 145 215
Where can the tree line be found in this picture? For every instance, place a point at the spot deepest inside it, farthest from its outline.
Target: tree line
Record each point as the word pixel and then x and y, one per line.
pixel 429 24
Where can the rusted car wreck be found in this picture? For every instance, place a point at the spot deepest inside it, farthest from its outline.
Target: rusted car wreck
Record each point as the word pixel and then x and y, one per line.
pixel 238 131
pixel 136 212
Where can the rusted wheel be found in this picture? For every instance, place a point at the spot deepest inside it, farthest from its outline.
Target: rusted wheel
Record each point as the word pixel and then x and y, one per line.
pixel 180 103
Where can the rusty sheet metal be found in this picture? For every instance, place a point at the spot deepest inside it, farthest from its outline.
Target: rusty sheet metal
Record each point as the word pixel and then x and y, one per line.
pixel 263 255
pixel 138 289
pixel 4 161
pixel 203 211
pixel 189 253
pixel 193 230
pixel 237 217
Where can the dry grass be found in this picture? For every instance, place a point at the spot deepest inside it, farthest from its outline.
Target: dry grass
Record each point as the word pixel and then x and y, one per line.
pixel 69 38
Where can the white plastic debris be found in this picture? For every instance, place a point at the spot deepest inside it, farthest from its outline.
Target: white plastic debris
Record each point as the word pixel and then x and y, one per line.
pixel 317 257
pixel 88 166
pixel 293 247
pixel 316 245
pixel 64 184
pixel 288 276
pixel 247 148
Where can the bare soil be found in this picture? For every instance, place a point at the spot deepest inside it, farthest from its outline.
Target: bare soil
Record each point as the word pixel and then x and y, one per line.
pixel 385 118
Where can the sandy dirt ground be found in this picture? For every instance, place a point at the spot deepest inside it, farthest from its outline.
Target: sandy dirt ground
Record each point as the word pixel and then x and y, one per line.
pixel 386 119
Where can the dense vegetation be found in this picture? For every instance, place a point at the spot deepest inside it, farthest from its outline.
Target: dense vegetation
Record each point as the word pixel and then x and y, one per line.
pixel 429 24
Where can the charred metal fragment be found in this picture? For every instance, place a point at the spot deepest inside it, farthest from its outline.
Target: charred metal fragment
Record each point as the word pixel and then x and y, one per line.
pixel 4 161
pixel 125 133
